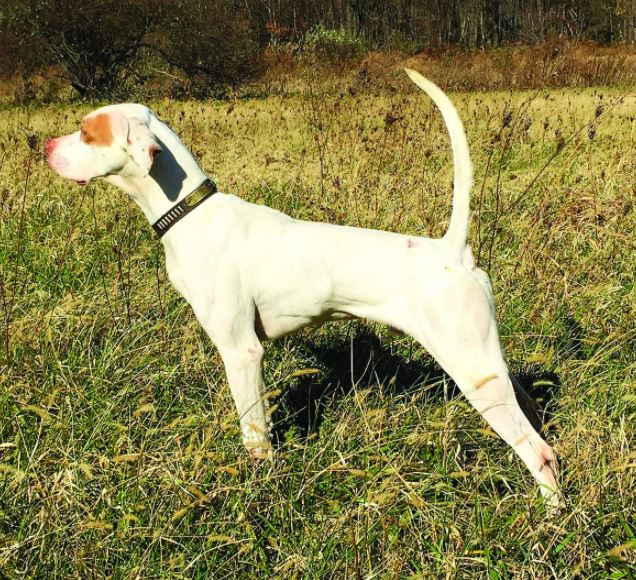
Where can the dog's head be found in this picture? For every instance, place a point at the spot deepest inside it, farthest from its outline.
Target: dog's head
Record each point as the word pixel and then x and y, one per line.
pixel 113 140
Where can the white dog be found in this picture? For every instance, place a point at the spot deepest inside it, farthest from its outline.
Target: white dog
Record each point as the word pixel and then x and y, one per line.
pixel 251 273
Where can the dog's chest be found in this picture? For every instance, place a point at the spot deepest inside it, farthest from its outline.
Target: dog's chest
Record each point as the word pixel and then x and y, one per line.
pixel 184 274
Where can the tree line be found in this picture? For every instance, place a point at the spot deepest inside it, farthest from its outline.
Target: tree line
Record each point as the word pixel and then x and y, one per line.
pixel 469 23
pixel 100 46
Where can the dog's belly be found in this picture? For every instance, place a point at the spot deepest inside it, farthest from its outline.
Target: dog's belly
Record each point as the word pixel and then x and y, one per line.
pixel 317 297
pixel 270 327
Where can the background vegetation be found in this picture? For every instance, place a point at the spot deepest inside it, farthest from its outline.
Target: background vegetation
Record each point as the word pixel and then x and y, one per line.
pixel 120 452
pixel 140 49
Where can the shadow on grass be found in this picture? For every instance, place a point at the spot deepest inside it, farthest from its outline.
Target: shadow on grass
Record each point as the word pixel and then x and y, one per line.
pixel 366 361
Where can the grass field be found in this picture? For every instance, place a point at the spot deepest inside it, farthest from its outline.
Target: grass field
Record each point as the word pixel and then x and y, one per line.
pixel 120 452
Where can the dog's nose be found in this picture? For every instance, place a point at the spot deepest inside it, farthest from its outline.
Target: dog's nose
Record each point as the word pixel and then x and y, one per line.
pixel 49 145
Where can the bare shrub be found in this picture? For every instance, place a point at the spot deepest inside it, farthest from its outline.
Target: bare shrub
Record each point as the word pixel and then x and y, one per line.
pixel 92 44
pixel 105 48
pixel 212 45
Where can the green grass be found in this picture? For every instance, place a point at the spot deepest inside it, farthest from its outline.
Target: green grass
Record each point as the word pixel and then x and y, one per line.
pixel 120 452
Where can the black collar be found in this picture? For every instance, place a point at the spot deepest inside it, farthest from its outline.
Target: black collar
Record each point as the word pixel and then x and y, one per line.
pixel 184 207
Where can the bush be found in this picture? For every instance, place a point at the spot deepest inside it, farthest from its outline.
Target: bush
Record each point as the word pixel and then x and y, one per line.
pixel 210 42
pixel 92 44
pixel 111 48
pixel 333 45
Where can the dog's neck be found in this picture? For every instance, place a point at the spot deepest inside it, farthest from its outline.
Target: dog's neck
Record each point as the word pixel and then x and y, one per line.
pixel 174 174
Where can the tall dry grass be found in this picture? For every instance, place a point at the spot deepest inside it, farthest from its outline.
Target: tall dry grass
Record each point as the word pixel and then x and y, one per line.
pixel 120 452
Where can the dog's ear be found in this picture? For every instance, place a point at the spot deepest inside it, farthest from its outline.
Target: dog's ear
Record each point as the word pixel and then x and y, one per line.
pixel 141 145
pixel 134 136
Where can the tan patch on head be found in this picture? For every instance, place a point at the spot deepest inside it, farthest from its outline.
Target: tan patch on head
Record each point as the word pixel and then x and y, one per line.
pixel 97 131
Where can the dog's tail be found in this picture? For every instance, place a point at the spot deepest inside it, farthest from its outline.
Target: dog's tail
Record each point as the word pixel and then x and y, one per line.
pixel 457 231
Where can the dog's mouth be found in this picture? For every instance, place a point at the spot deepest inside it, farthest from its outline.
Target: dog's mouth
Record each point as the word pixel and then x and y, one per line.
pixel 60 166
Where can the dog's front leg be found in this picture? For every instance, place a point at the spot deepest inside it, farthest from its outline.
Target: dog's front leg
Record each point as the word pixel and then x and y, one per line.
pixel 243 366
pixel 230 325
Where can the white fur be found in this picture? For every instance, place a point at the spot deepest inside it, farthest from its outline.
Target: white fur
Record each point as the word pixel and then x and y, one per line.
pixel 252 273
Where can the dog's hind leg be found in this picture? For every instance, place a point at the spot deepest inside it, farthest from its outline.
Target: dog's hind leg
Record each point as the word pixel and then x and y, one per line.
pixel 457 325
pixel 493 397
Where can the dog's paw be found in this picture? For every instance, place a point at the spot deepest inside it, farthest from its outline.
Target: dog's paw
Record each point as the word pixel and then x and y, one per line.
pixel 259 450
pixel 553 500
pixel 261 453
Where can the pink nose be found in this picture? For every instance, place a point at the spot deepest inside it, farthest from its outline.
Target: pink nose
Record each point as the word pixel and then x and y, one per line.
pixel 49 146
